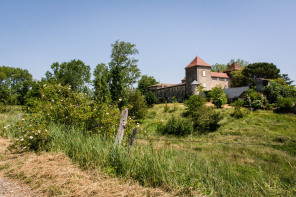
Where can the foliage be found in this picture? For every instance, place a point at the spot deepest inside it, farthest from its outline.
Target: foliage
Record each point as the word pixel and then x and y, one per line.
pixel 238 79
pixel 219 96
pixel 58 104
pixel 194 103
pixel 123 70
pixel 255 100
pixel 74 73
pixel 286 104
pixel 166 108
pixel 176 126
pixel 102 92
pixel 145 82
pixel 205 119
pixel 238 113
pixel 32 136
pixel 241 62
pixel 261 70
pixel 280 81
pixel 14 85
pixel 151 98
pixel 138 104
pixel 218 67
pixel 287 79
pixel 275 91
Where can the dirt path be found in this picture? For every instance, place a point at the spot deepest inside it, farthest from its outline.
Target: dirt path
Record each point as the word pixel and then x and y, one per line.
pixel 50 174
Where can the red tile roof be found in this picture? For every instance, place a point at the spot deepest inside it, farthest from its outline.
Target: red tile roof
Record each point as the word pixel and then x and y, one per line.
pixel 233 66
pixel 197 62
pixel 219 75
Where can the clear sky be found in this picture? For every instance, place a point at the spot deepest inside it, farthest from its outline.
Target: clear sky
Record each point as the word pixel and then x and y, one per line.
pixel 167 33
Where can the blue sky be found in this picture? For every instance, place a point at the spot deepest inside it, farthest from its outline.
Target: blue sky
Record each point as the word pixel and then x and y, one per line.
pixel 167 33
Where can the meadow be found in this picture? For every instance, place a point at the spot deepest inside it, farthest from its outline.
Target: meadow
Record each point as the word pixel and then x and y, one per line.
pixel 251 156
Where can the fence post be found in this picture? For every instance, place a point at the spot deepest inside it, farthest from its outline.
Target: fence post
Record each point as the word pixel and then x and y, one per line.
pixel 122 125
pixel 133 137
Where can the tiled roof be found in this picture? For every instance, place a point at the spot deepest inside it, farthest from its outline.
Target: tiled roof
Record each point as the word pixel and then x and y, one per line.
pixel 233 66
pixel 197 62
pixel 220 75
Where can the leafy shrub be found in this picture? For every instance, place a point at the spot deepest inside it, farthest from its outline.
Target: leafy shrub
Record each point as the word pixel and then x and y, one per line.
pixel 31 135
pixel 151 98
pixel 285 104
pixel 193 103
pixel 255 100
pixel 273 91
pixel 176 126
pixel 151 114
pixel 238 113
pixel 3 107
pixel 219 96
pixel 206 119
pixel 139 107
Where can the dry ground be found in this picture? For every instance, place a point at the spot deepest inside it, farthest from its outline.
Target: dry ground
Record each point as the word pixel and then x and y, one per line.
pixel 53 174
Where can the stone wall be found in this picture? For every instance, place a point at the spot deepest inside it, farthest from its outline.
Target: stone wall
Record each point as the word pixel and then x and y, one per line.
pixel 225 83
pixel 167 93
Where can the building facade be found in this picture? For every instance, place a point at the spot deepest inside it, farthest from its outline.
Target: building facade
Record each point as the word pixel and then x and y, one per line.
pixel 197 73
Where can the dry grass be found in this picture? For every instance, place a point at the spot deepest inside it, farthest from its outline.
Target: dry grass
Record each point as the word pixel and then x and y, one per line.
pixel 51 174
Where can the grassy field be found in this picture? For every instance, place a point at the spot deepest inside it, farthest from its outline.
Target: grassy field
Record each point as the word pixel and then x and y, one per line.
pixel 252 156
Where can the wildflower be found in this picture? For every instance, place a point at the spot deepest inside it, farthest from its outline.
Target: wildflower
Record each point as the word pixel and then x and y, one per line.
pixel 44 85
pixel 39 131
pixel 107 113
pixel 138 125
pixel 52 100
pixel 36 133
pixel 24 147
pixel 120 99
pixel 22 139
pixel 5 127
pixel 95 109
pixel 30 125
pixel 9 139
pixel 23 119
pixel 31 137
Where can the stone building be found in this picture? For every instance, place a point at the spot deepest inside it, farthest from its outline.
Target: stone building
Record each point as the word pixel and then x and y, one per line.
pixel 197 73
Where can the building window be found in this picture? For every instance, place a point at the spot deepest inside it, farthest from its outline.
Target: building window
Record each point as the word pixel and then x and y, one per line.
pixel 204 73
pixel 225 80
pixel 204 85
pixel 218 79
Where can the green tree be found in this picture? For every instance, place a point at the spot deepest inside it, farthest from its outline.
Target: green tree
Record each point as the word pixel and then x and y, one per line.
pixel 218 67
pixel 74 73
pixel 238 79
pixel 14 84
pixel 261 70
pixel 151 98
pixel 139 106
pixel 219 96
pixel 145 82
pixel 287 79
pixel 101 74
pixel 123 69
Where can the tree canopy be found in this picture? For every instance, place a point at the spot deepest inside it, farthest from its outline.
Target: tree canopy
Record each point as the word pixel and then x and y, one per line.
pixel 145 82
pixel 14 84
pixel 218 67
pixel 261 70
pixel 101 74
pixel 74 73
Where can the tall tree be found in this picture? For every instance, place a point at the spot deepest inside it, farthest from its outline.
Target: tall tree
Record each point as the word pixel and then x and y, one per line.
pixel 218 67
pixel 287 79
pixel 238 79
pixel 14 84
pixel 261 70
pixel 145 82
pixel 123 69
pixel 101 74
pixel 74 73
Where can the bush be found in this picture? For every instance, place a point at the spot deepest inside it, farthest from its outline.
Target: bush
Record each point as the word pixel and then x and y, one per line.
pixel 166 107
pixel 206 119
pixel 219 96
pixel 238 113
pixel 151 98
pixel 273 91
pixel 139 106
pixel 285 104
pixel 194 103
pixel 255 100
pixel 176 126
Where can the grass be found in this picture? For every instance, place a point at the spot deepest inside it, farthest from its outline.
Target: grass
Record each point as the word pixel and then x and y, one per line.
pixel 251 156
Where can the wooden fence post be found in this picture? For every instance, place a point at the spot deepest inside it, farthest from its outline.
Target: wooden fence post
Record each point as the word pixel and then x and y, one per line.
pixel 133 137
pixel 122 125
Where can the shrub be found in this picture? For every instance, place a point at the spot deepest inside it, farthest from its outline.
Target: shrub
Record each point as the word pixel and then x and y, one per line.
pixel 238 113
pixel 193 103
pixel 219 96
pixel 285 104
pixel 139 106
pixel 206 119
pixel 176 126
pixel 166 107
pixel 151 98
pixel 254 100
pixel 273 91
